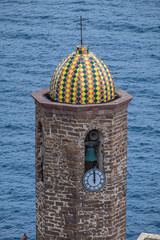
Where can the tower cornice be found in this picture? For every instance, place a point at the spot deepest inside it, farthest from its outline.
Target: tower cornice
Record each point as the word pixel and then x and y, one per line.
pixel 120 103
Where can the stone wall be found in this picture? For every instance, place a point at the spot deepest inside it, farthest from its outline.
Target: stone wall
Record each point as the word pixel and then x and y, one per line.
pixel 64 209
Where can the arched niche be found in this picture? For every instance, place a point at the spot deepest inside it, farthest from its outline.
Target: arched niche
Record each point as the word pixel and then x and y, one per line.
pixel 94 150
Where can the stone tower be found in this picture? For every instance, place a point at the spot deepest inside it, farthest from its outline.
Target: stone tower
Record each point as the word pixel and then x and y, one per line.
pixel 81 152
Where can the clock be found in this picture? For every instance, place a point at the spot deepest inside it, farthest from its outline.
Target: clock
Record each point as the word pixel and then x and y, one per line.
pixel 94 179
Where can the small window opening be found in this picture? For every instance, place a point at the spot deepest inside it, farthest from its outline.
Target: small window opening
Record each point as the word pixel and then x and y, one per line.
pixel 94 150
pixel 40 170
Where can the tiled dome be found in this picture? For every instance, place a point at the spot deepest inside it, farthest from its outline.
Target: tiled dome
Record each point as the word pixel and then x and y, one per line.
pixel 82 78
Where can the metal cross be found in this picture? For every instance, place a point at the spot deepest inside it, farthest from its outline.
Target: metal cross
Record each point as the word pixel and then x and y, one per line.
pixel 81 25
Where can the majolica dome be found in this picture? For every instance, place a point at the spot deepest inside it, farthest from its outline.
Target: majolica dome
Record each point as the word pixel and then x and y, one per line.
pixel 82 78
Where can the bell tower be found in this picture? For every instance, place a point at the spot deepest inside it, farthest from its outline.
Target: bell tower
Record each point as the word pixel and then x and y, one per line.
pixel 81 152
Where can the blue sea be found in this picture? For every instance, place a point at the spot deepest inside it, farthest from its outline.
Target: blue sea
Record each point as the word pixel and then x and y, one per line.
pixel 34 36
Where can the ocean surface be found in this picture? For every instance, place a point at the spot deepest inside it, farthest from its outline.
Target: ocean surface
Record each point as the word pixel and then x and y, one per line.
pixel 34 36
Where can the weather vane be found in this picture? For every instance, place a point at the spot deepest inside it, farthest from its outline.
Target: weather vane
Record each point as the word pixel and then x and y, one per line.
pixel 81 25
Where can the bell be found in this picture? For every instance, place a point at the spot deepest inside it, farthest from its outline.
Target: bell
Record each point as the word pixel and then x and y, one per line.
pixel 93 135
pixel 90 155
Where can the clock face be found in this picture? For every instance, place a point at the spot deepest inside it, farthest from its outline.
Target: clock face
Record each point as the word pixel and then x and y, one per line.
pixel 94 179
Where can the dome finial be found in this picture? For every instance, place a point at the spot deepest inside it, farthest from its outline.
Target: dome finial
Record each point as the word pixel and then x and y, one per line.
pixel 81 25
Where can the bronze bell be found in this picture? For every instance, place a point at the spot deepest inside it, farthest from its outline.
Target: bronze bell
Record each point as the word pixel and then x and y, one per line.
pixel 90 155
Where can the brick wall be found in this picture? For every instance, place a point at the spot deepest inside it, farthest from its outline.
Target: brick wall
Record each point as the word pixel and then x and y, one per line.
pixel 64 209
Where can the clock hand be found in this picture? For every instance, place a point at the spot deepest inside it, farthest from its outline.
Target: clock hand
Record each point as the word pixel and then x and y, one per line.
pixel 94 175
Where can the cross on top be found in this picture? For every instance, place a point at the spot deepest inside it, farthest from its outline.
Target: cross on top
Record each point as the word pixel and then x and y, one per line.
pixel 81 25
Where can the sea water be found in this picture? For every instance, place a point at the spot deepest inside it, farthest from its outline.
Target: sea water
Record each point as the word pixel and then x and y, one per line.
pixel 34 36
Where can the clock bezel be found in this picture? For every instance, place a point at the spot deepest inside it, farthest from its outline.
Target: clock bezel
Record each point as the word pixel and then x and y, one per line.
pixel 94 190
